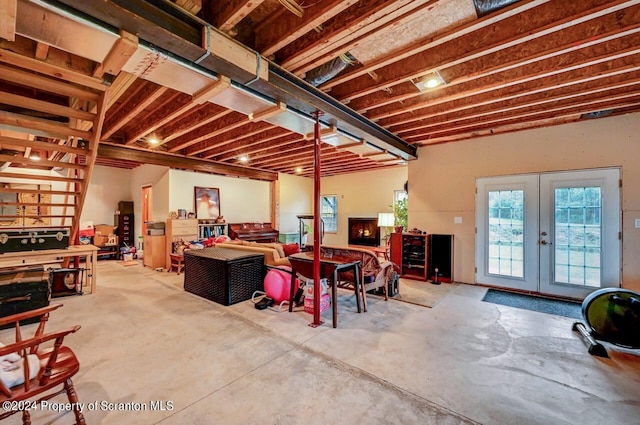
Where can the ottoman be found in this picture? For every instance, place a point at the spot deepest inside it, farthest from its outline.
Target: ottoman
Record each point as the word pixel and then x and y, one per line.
pixel 225 276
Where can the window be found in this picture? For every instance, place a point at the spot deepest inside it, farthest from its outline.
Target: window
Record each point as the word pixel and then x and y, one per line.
pixel 329 212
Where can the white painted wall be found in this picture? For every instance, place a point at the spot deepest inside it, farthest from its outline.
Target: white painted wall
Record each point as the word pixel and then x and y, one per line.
pixel 296 198
pixel 158 177
pixel 241 200
pixel 107 187
pixel 361 195
pixel 442 179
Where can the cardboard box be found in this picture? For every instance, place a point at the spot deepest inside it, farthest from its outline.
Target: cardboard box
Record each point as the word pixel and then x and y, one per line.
pixel 325 303
pixel 104 229
pixel 308 287
pixel 103 240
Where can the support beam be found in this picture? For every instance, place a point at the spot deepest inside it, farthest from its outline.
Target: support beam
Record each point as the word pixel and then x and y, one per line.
pixel 346 30
pixel 317 229
pixel 273 34
pixel 198 98
pixel 226 14
pixel 42 50
pixel 118 56
pixel 279 108
pixel 106 150
pixel 68 74
pixel 8 15
pixel 143 99
pixel 119 86
pixel 517 30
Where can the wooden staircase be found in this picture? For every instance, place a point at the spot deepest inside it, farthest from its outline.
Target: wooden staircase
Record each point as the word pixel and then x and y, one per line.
pixel 51 115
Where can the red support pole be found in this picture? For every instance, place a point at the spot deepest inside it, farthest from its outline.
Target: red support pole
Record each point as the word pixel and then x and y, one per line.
pixel 317 292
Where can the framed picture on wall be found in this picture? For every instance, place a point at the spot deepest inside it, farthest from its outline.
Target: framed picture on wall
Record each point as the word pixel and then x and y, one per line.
pixel 207 202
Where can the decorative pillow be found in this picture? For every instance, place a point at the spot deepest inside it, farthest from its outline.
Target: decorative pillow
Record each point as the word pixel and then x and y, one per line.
pixel 291 248
pixel 222 239
pixel 276 246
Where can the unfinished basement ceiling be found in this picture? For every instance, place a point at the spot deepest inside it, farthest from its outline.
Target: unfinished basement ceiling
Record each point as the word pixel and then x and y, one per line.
pixel 524 64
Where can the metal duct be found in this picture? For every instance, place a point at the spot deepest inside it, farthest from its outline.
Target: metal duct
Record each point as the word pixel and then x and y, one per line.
pixel 327 71
pixel 485 7
pixel 597 114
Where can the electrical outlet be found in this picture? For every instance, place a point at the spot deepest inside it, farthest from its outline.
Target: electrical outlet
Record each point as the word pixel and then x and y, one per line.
pixel 457 220
pixel 637 223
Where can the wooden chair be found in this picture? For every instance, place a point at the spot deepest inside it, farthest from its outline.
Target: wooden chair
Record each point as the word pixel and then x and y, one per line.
pixel 57 365
pixel 176 263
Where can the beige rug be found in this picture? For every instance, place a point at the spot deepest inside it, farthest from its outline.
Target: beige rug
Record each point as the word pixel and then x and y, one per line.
pixel 423 293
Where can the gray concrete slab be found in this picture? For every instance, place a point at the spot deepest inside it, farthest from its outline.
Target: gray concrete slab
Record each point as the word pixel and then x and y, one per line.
pixel 144 339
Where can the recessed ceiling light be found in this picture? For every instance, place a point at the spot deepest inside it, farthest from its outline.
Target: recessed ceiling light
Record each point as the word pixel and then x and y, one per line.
pixel 244 159
pixel 299 170
pixel 429 81
pixel 154 141
pixel 35 156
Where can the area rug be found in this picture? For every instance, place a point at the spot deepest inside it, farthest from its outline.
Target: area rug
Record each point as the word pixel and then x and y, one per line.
pixel 423 293
pixel 529 302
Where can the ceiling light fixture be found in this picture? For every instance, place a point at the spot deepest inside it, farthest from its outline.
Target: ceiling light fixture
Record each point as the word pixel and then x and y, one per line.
pixel 299 170
pixel 244 159
pixel 153 140
pixel 429 81
pixel 35 156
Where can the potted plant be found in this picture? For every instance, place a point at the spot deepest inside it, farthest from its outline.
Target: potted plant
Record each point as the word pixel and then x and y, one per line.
pixel 400 213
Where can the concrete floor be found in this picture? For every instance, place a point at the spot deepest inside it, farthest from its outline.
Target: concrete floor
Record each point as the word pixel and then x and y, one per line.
pixel 145 339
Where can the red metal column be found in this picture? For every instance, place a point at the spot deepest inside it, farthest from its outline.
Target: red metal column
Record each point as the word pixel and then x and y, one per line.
pixel 316 222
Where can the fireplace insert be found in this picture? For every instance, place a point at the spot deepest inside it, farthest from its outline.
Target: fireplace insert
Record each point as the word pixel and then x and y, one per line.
pixel 364 231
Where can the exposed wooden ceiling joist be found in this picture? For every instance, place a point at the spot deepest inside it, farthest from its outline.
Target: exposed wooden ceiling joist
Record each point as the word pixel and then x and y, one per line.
pixel 178 161
pixel 532 64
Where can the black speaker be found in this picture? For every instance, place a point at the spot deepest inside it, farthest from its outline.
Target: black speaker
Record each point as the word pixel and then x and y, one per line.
pixel 440 252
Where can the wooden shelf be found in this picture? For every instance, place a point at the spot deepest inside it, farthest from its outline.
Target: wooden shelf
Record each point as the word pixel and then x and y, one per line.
pixel 409 254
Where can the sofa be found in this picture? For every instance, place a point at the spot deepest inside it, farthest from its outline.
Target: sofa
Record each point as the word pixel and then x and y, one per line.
pixel 273 252
pixel 373 272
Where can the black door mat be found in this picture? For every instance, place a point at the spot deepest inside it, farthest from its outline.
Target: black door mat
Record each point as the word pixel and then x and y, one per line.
pixel 529 302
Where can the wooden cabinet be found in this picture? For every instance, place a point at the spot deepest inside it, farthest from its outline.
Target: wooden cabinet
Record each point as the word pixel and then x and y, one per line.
pixel 154 251
pixel 409 254
pixel 418 256
pixel 176 230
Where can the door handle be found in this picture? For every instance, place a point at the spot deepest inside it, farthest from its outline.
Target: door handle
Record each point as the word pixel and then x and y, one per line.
pixel 543 242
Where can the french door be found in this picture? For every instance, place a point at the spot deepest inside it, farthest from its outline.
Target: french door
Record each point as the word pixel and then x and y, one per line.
pixel 553 233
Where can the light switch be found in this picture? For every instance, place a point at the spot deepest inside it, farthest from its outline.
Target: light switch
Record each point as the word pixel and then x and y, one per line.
pixel 637 223
pixel 458 220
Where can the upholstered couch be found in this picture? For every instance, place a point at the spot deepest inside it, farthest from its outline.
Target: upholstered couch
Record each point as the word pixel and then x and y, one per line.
pixel 273 252
pixel 373 272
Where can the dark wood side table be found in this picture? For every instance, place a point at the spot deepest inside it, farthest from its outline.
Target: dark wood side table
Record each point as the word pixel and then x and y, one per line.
pixel 302 263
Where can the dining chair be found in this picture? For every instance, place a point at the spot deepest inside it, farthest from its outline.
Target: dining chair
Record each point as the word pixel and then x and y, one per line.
pixel 28 370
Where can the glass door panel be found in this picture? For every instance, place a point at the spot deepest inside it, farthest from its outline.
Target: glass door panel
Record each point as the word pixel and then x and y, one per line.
pixel 581 211
pixel 507 232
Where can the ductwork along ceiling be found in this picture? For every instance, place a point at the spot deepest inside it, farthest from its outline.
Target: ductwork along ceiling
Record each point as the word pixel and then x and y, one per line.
pixel 225 80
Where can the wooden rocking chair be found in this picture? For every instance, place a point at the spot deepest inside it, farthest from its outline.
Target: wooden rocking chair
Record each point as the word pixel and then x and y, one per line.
pixel 57 365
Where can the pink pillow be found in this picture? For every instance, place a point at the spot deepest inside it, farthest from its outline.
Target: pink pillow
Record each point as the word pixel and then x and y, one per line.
pixel 222 238
pixel 291 248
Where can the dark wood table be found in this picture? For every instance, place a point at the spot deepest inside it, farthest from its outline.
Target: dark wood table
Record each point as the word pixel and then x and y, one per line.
pixel 302 263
